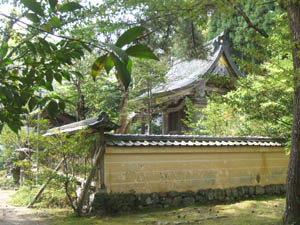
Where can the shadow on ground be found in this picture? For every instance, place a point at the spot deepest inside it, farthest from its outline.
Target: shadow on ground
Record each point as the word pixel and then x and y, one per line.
pixel 262 211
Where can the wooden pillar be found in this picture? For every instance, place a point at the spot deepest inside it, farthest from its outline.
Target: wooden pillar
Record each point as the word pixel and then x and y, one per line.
pixel 98 179
pixel 143 127
pixel 165 122
pixel 102 173
pixel 99 154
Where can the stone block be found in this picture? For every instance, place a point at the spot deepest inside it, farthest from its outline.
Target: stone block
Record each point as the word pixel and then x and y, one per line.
pixel 200 199
pixel 167 200
pixel 177 201
pixel 277 189
pixel 219 194
pixel 188 201
pixel 157 206
pixel 259 190
pixel 173 194
pixel 242 192
pixel 165 206
pixel 251 190
pixel 155 198
pixel 148 201
pixel 234 193
pixel 228 192
pixel 163 194
pixel 188 194
pixel 282 188
pixel 269 189
pixel 210 195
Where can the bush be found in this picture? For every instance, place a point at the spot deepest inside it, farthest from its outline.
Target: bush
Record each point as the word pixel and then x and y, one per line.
pixel 6 183
pixel 50 198
pixel 2 173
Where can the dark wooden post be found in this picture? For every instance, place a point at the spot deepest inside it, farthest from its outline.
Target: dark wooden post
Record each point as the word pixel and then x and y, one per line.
pixel 99 154
pixel 102 173
pixel 103 123
pixel 165 122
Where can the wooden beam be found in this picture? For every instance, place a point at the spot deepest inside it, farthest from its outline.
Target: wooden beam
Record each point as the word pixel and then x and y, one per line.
pixel 99 154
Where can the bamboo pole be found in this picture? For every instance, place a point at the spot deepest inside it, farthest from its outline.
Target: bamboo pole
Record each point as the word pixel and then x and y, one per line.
pixel 44 185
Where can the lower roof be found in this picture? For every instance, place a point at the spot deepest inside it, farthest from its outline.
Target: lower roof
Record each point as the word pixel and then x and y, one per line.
pixel 188 140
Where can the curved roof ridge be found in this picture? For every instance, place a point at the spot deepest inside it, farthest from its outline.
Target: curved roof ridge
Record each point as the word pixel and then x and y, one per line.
pixel 186 73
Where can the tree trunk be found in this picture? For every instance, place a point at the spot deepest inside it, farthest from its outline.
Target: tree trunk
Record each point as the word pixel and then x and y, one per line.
pixel 81 109
pixel 149 108
pixel 16 174
pixel 292 211
pixel 123 114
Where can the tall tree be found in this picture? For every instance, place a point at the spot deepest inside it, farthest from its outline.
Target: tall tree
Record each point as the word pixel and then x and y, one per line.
pixel 292 212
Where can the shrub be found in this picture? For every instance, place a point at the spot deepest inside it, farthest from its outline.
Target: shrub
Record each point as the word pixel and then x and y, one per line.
pixel 50 198
pixel 6 183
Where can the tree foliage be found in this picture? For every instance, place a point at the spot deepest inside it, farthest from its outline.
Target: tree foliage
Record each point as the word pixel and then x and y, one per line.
pixel 31 59
pixel 243 41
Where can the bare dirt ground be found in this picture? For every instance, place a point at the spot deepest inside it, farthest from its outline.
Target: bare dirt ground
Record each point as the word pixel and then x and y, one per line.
pixel 11 215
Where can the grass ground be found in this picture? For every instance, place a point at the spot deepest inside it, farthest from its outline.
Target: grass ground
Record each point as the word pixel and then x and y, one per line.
pixel 262 211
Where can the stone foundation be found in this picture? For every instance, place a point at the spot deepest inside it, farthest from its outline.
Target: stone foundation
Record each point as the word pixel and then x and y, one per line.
pixel 121 202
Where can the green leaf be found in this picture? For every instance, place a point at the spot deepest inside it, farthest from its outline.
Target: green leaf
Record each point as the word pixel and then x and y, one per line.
pixel 49 77
pixel 86 47
pixel 45 45
pixel 53 4
pixel 109 64
pixel 3 50
pixel 1 126
pixel 69 7
pixel 66 75
pixel 98 65
pixel 57 77
pixel 31 47
pixel 55 22
pixel 34 6
pixel 129 36
pixel 129 66
pixel 122 71
pixel 7 61
pixel 47 28
pixel 8 93
pixel 33 17
pixel 32 103
pixel 77 74
pixel 122 54
pixel 62 105
pixel 141 51
pixel 52 108
pixel 14 125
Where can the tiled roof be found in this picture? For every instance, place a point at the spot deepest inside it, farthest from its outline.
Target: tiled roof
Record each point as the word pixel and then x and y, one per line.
pixel 185 74
pixel 186 140
pixel 95 123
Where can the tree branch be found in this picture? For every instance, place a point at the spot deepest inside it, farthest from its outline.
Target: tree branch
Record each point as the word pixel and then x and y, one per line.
pixel 247 19
pixel 66 183
pixel 52 34
pixel 193 34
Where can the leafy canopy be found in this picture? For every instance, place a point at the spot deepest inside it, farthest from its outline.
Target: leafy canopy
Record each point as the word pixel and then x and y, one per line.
pixel 31 60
